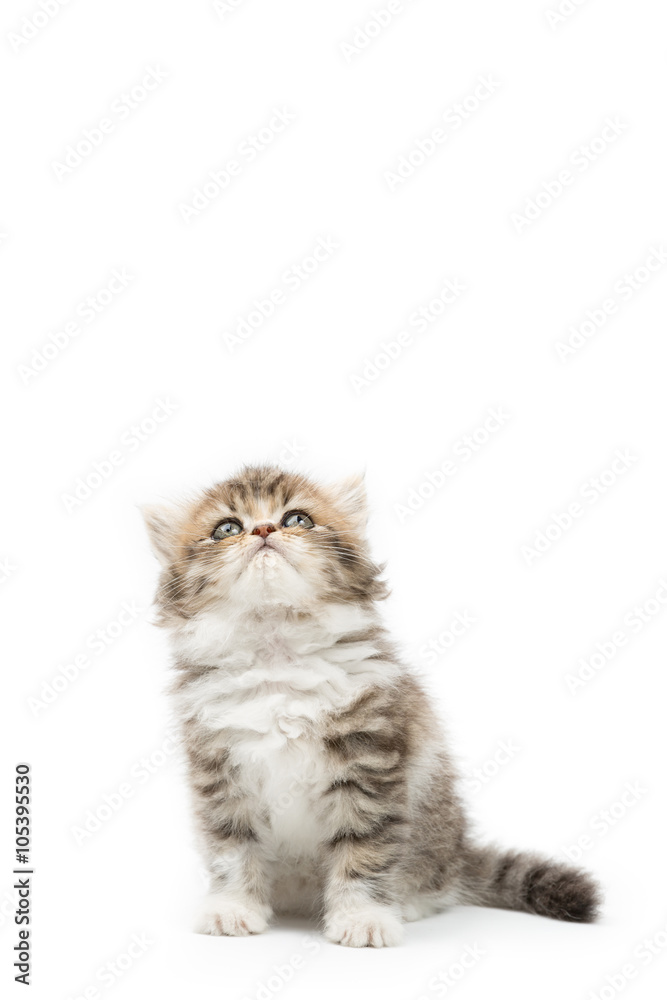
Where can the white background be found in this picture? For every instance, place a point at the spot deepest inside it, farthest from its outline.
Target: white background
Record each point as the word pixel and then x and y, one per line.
pixel 287 394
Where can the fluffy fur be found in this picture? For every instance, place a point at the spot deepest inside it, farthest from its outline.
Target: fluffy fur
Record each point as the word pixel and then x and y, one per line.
pixel 319 773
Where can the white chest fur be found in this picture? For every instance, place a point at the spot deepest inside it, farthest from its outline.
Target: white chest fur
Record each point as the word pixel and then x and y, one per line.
pixel 290 785
pixel 264 701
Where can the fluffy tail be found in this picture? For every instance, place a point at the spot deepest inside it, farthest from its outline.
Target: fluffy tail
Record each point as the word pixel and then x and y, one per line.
pixel 518 880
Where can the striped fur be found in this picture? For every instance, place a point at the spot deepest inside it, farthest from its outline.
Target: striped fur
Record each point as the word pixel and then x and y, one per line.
pixel 319 774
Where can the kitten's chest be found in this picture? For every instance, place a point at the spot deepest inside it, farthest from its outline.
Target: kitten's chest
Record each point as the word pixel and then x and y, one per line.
pixel 288 786
pixel 269 689
pixel 267 702
pixel 271 724
pixel 281 763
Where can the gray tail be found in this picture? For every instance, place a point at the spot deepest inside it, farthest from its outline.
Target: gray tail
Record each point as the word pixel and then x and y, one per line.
pixel 518 880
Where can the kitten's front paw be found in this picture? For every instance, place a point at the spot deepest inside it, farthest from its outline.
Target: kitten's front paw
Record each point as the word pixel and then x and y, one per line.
pixel 367 927
pixel 226 916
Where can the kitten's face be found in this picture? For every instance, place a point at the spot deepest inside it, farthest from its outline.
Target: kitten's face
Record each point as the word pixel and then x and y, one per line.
pixel 264 538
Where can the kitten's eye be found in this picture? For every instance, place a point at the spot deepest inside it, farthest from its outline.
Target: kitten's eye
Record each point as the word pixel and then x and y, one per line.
pixel 226 529
pixel 297 519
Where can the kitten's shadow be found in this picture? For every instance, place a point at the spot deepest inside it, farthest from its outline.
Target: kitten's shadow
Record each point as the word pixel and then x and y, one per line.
pixel 289 922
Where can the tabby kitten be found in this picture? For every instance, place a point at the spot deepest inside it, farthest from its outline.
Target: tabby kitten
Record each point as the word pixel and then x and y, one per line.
pixel 318 769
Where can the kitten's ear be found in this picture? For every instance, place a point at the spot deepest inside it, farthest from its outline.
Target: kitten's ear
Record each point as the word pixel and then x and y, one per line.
pixel 161 526
pixel 351 496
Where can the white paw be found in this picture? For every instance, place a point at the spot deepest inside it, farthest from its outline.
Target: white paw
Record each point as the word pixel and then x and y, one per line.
pixel 226 916
pixel 367 927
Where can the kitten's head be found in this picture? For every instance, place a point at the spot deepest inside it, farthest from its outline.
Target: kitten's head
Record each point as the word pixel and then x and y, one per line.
pixel 265 538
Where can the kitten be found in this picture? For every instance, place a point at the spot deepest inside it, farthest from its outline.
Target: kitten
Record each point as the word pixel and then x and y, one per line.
pixel 319 774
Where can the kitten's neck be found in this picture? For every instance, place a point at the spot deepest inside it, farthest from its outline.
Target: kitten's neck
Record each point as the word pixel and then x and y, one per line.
pixel 227 636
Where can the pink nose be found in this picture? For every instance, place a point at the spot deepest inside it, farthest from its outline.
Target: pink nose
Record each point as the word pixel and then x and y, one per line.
pixel 263 529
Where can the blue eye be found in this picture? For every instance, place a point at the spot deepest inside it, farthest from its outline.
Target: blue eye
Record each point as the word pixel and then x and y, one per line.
pixel 226 529
pixel 297 519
